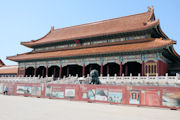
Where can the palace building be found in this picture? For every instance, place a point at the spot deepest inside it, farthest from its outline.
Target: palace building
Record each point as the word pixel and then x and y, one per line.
pixel 8 70
pixel 127 45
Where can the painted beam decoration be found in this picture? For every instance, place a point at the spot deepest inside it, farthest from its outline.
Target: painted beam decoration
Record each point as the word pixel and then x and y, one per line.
pixel 129 58
pixel 53 63
pixel 72 61
pixel 41 63
pixel 111 59
pixel 96 60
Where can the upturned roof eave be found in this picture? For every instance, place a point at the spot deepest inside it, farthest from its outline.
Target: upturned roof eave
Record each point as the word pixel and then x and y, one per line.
pixel 86 54
pixel 15 58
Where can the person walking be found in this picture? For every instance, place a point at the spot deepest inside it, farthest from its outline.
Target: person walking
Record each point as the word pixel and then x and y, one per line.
pixel 5 90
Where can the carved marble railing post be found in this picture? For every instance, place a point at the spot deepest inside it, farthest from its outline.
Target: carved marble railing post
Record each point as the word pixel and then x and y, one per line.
pixel 139 75
pixel 115 77
pixel 131 77
pixel 107 77
pixel 123 76
pixel 177 77
pixel 147 77
pixel 157 77
pixel 166 76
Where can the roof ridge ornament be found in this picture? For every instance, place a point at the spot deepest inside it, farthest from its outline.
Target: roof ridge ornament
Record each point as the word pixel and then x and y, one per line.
pixel 150 9
pixel 151 12
pixel 1 63
pixel 174 42
pixel 52 28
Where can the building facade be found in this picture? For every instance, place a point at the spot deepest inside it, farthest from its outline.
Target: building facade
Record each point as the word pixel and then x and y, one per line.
pixel 127 45
pixel 8 70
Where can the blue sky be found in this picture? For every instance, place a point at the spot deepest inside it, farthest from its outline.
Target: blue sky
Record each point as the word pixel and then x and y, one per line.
pixel 22 20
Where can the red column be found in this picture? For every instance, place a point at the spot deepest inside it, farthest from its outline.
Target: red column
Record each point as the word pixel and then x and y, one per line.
pixel 83 71
pixel 35 69
pixel 121 69
pixel 60 72
pixel 101 68
pixel 90 67
pixel 47 71
pixel 158 68
pixel 67 71
pixel 107 69
pixel 18 72
pixel 43 72
pixel 24 72
pixel 142 72
pixel 126 70
pixel 54 71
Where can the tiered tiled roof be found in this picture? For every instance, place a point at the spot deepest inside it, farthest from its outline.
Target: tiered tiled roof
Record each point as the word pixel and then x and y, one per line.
pixel 148 45
pixel 130 23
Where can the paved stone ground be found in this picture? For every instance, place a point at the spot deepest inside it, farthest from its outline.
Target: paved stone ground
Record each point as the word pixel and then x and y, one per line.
pixel 28 108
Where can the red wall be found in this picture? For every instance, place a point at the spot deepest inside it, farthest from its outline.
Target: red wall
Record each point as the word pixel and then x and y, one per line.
pixel 132 95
